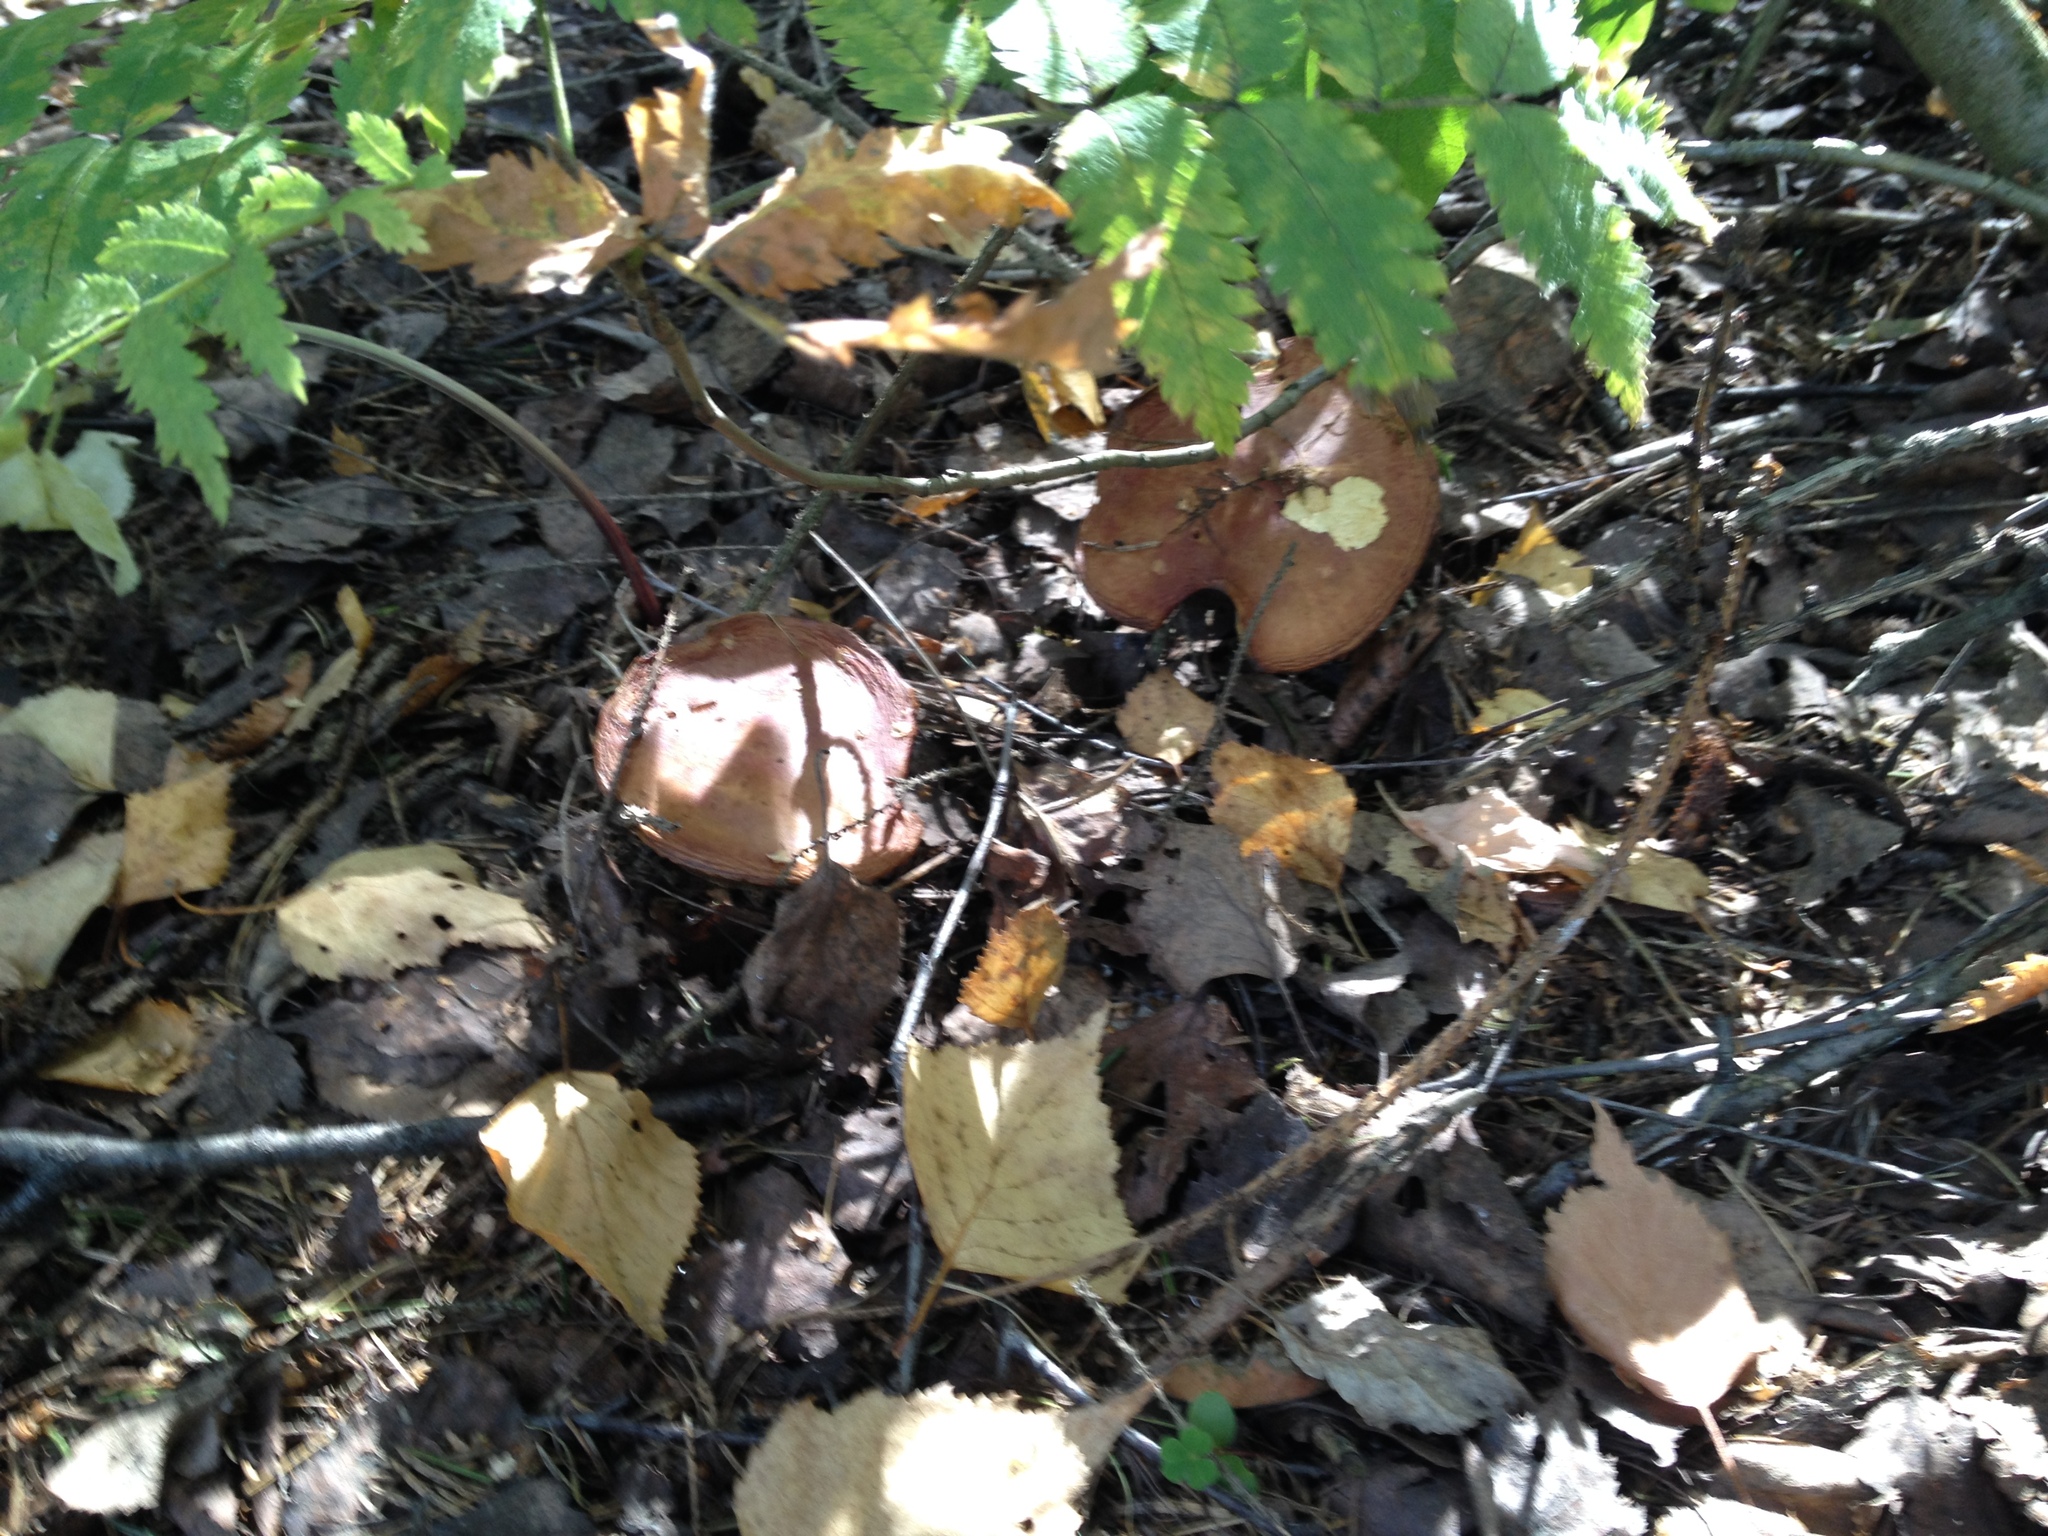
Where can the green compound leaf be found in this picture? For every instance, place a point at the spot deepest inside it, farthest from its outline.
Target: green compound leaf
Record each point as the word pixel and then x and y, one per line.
pixel 166 244
pixel 250 313
pixel 419 55
pixel 29 52
pixel 1552 204
pixel 1621 133
pixel 256 77
pixel 1515 47
pixel 154 67
pixel 282 201
pixel 1235 1469
pixel 911 58
pixel 1619 27
pixel 1216 48
pixel 1146 161
pixel 1371 46
pixel 730 19
pixel 1068 50
pixel 1427 143
pixel 162 377
pixel 1212 1414
pixel 389 225
pixel 74 311
pixel 379 147
pixel 1340 236
pixel 1187 1458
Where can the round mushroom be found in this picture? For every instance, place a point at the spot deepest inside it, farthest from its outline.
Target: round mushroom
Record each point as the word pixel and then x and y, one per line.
pixel 741 723
pixel 1341 481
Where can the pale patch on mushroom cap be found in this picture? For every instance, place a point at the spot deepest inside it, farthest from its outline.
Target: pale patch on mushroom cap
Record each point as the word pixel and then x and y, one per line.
pixel 1353 512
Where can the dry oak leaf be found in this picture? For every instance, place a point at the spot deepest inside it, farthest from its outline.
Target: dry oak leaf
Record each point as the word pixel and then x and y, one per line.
pixel 1077 333
pixel 41 913
pixel 1438 1379
pixel 589 1167
pixel 1538 557
pixel 671 133
pixel 1163 718
pixel 145 1053
pixel 1648 1281
pixel 531 224
pixel 1011 1149
pixel 382 910
pixel 178 838
pixel 930 1464
pixel 1021 962
pixel 915 186
pixel 1298 809
pixel 2023 981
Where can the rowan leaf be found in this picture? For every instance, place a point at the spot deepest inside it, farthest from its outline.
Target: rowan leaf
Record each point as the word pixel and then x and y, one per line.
pixel 1163 718
pixel 1370 46
pixel 153 68
pixel 1426 143
pixel 1218 48
pixel 379 911
pixel 1617 26
pixel 1143 163
pixel 915 59
pixel 589 1167
pixel 1340 236
pixel 1019 964
pixel 178 838
pixel 166 244
pixel 163 377
pixel 282 201
pixel 671 134
pixel 146 1052
pixel 930 1464
pixel 30 51
pixel 417 58
pixel 1068 51
pixel 2023 981
pixel 261 67
pixel 250 313
pixel 530 224
pixel 1515 47
pixel 911 185
pixel 1621 132
pixel 1011 1149
pixel 1552 204
pixel 1648 1281
pixel 1297 809
pixel 1076 333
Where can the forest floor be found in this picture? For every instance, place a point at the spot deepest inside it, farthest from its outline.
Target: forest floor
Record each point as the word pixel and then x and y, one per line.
pixel 377 1347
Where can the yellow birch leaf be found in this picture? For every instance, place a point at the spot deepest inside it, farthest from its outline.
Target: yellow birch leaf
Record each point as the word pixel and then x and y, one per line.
pixel 930 1464
pixel 41 913
pixel 528 223
pixel 1018 965
pixel 178 838
pixel 347 453
pixel 1011 1149
pixel 379 911
pixel 2023 981
pixel 1162 718
pixel 1538 557
pixel 1298 808
pixel 145 1053
pixel 588 1167
pixel 1512 705
pixel 911 185
pixel 1648 1281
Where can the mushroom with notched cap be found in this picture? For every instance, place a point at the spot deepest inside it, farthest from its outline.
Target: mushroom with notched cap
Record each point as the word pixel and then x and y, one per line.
pixel 1340 480
pixel 729 755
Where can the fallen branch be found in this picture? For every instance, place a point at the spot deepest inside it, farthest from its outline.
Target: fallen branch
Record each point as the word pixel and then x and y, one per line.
pixel 1864 157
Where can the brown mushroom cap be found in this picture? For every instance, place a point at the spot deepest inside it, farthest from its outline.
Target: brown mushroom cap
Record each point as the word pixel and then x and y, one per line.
pixel 722 755
pixel 1157 536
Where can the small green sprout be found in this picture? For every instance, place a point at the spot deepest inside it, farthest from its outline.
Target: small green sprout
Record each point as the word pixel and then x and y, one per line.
pixel 1196 1457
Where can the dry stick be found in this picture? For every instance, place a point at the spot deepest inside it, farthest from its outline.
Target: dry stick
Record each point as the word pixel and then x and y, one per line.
pixel 462 394
pixel 1863 157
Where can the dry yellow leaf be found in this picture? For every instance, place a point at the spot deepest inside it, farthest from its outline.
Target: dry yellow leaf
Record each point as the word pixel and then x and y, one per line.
pixel 1298 808
pixel 932 506
pixel 930 1464
pixel 41 913
pixel 1064 402
pixel 589 1167
pixel 347 456
pixel 1652 879
pixel 1164 719
pixel 1011 1150
pixel 145 1053
pixel 1019 964
pixel 1492 830
pixel 178 838
pixel 1648 1281
pixel 2023 981
pixel 1077 333
pixel 79 725
pixel 1518 709
pixel 915 186
pixel 379 911
pixel 1538 557
pixel 360 630
pixel 671 133
pixel 529 223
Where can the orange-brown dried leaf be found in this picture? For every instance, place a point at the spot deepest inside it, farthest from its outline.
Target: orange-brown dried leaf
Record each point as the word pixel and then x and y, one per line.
pixel 1019 965
pixel 1538 557
pixel 177 838
pixel 2023 981
pixel 932 506
pixel 346 456
pixel 671 133
pixel 916 186
pixel 1257 1380
pixel 1648 1281
pixel 1298 808
pixel 531 224
pixel 1076 333
pixel 1064 402
pixel 266 717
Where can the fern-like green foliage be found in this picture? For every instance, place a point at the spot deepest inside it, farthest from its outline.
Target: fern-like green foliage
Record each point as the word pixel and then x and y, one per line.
pixel 915 59
pixel 1515 47
pixel 1552 203
pixel 416 58
pixel 1370 46
pixel 1217 48
pixel 29 51
pixel 1068 51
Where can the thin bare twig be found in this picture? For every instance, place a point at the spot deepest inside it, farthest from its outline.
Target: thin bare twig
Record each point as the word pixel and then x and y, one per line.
pixel 1873 157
